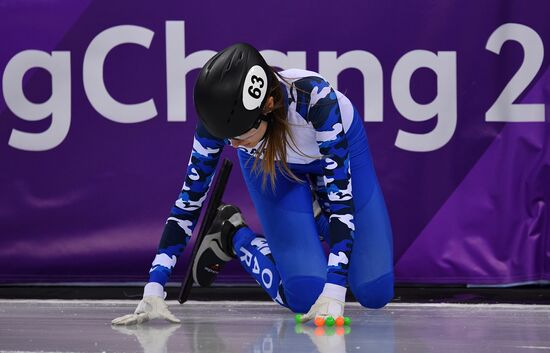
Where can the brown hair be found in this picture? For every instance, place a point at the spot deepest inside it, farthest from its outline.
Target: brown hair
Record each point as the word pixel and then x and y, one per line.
pixel 274 144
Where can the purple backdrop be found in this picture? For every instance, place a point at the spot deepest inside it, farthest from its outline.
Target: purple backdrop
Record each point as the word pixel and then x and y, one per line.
pixel 468 196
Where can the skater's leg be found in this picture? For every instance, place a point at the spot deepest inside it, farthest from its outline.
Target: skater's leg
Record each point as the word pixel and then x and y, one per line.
pixel 371 266
pixel 286 215
pixel 254 254
pixel 370 275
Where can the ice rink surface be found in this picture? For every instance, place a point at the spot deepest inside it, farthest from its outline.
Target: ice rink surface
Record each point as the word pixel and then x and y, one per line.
pixel 262 327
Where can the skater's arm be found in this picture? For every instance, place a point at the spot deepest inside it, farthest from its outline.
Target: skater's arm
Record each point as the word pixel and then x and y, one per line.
pixel 324 114
pixel 186 210
pixel 177 231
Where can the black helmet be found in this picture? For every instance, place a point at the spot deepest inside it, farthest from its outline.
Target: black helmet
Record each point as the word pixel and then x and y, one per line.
pixel 231 89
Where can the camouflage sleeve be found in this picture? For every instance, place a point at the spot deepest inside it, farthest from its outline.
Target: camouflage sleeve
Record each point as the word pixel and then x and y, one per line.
pixel 324 114
pixel 186 210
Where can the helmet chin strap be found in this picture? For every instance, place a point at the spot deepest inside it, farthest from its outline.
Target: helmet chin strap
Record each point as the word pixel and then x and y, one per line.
pixel 268 118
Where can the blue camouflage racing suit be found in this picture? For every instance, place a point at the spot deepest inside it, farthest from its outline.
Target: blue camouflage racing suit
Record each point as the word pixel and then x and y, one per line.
pixel 330 153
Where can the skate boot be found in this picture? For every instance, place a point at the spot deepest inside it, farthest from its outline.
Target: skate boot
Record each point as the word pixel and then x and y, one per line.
pixel 216 248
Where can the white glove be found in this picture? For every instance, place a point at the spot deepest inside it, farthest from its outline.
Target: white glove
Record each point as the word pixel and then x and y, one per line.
pixel 324 307
pixel 150 307
pixel 330 303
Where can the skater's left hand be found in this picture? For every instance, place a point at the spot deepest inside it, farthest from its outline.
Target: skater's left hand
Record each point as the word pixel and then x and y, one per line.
pixel 324 307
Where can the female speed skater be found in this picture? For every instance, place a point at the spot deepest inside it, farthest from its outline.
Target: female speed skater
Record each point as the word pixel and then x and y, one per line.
pixel 307 165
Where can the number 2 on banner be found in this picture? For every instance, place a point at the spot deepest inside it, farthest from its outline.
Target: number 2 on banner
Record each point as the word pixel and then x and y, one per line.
pixel 504 109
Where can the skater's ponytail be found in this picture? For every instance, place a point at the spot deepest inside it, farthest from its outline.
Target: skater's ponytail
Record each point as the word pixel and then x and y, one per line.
pixel 276 140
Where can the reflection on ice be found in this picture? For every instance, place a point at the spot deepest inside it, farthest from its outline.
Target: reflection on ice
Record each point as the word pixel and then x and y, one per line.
pixel 264 333
pixel 153 339
pixel 252 327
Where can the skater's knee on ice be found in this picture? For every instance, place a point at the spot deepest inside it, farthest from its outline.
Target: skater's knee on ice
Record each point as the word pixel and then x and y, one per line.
pixel 375 294
pixel 301 292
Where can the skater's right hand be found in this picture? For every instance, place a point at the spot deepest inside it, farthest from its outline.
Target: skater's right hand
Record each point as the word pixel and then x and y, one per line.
pixel 324 307
pixel 150 307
